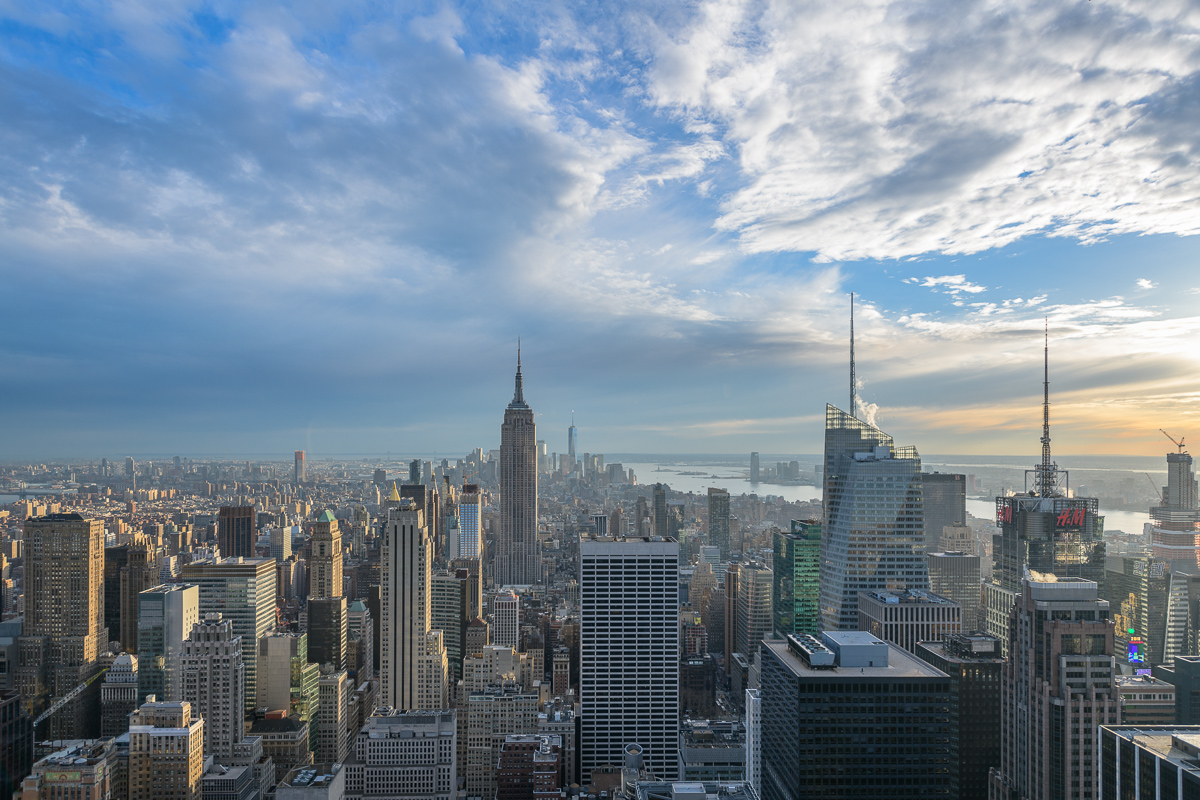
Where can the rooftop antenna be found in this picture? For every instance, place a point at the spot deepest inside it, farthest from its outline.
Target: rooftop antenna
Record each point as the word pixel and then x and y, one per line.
pixel 1046 478
pixel 853 385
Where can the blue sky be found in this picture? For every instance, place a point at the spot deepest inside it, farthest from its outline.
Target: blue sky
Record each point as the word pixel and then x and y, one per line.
pixel 239 227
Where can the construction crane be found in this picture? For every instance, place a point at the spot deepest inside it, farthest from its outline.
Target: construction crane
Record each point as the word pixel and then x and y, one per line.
pixel 68 697
pixel 1178 444
pixel 1154 486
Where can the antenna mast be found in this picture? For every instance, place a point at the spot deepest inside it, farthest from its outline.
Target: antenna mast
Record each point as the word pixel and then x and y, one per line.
pixel 853 384
pixel 1046 481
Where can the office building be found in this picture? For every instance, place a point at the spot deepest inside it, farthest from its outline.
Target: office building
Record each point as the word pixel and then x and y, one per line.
pixel 242 591
pixel 712 751
pixel 874 525
pixel 237 531
pixel 140 571
pixel 63 630
pixel 281 543
pixel 1150 604
pixel 223 782
pixel 955 576
pixel 730 617
pixel 905 618
pixel 1058 681
pixel 119 695
pixel 470 522
pixel 502 709
pixel 410 651
pixel 755 617
pixel 166 752
pixel 662 524
pixel 718 520
pixel 448 614
pixel 361 632
pixel 754 468
pixel 1175 530
pixel 166 616
pixel 290 680
pixel 1146 700
pixel 795 576
pixel 1184 675
pixel 818 697
pixel 629 652
pixel 325 565
pixel 333 717
pixel 753 723
pixel 16 742
pixel 404 755
pixel 299 475
pixel 945 500
pixel 474 568
pixel 316 782
pixel 506 620
pixel 974 663
pixel 284 741
pixel 518 555
pixel 213 680
pixel 329 632
pixel 1152 762
pixel 957 538
pixel 83 769
pixel 530 768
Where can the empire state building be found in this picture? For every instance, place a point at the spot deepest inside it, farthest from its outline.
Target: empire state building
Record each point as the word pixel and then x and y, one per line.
pixel 518 559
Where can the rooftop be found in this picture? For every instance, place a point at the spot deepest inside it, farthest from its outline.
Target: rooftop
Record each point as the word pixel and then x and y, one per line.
pixel 1179 744
pixel 315 775
pixel 693 790
pixel 907 596
pixel 901 664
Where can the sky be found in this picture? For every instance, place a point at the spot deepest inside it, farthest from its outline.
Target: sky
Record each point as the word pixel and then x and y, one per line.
pixel 252 228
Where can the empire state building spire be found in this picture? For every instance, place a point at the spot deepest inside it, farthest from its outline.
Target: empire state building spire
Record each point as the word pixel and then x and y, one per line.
pixel 518 400
pixel 518 556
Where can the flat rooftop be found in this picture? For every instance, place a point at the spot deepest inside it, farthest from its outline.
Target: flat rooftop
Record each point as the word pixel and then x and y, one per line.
pixel 901 664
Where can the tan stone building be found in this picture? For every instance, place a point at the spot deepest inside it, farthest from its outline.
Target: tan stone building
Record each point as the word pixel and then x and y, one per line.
pixel 166 752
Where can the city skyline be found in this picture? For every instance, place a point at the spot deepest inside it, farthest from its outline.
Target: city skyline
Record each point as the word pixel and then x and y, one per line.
pixel 231 229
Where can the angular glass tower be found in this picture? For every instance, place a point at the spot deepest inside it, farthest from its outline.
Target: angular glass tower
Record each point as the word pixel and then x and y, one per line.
pixel 874 518
pixel 796 569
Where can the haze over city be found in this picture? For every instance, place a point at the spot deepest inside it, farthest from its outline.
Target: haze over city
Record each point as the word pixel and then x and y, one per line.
pixel 241 228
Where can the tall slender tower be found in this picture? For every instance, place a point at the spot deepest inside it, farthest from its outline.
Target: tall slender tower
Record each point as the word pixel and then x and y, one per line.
pixel 326 562
pixel 518 560
pixel 571 433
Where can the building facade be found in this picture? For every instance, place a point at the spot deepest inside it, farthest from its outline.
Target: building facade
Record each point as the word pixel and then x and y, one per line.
pixel 795 587
pixel 237 531
pixel 518 554
pixel 407 755
pixel 906 618
pixel 213 681
pixel 166 616
pixel 166 752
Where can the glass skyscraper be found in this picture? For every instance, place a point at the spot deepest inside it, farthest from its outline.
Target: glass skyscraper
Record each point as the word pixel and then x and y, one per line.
pixel 795 585
pixel 874 518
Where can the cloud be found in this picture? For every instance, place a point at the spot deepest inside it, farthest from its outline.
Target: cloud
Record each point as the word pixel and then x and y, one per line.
pixel 1146 283
pixel 888 129
pixel 949 284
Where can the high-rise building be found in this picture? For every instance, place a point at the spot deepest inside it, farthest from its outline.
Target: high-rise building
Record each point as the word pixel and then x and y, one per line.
pixel 945 499
pixel 141 571
pixel 1044 529
pixel 213 680
pixel 818 697
pixel 448 614
pixel 63 629
pixel 874 525
pixel 1175 530
pixel 242 591
pixel 1057 687
pixel 629 652
pixel 905 618
pixel 414 472
pixel 474 568
pixel 754 468
pixel 718 520
pixel 290 681
pixel 299 476
pixel 1146 700
pixel 956 576
pixel 329 632
pixel 325 566
pixel 571 444
pixel 1149 603
pixel 662 524
pixel 753 723
pixel 410 650
pixel 506 620
pixel 404 755
pixel 730 618
pixel 470 522
pixel 795 579
pixel 166 752
pixel 237 531
pixel 1154 762
pixel 754 612
pixel 361 630
pixel 16 736
pixel 119 695
pixel 333 717
pixel 166 616
pixel 281 543
pixel 518 557
pixel 974 664
pixel 486 717
pixel 530 767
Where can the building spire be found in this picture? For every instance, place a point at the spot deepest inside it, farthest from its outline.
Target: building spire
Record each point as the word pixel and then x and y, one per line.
pixel 519 393
pixel 1046 482
pixel 853 383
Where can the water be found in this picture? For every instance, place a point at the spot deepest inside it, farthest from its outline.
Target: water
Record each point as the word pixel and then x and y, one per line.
pixel 1125 521
pixel 733 477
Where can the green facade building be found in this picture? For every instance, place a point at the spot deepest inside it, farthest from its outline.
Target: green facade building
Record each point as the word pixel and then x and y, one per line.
pixel 795 587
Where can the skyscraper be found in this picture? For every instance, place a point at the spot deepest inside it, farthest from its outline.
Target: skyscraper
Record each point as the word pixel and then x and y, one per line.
pixel 410 652
pixel 571 432
pixel 470 522
pixel 166 752
pixel 325 566
pixel 166 616
pixel 299 475
pixel 213 680
pixel 718 520
pixel 796 570
pixel 874 524
pixel 1057 687
pixel 119 695
pixel 755 618
pixel 448 614
pixel 237 530
pixel 629 652
pixel 242 590
pixel 518 558
pixel 661 520
pixel 1175 531
pixel 64 621
pixel 754 468
pixel 506 620
pixel 945 500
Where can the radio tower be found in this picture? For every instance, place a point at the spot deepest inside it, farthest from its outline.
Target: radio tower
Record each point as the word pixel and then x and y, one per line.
pixel 1046 480
pixel 853 386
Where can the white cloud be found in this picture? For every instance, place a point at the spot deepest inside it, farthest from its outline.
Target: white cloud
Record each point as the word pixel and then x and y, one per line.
pixel 1146 283
pixel 884 129
pixel 949 284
